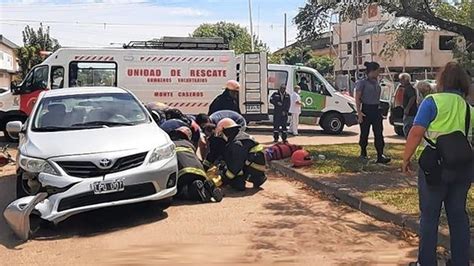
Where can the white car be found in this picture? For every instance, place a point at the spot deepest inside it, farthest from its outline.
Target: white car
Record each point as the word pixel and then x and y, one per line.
pixel 88 148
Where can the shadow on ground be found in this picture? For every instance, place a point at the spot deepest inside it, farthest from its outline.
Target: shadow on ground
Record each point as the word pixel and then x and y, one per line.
pixel 86 224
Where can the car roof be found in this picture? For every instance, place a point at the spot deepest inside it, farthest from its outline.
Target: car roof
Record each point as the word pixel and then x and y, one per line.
pixel 82 91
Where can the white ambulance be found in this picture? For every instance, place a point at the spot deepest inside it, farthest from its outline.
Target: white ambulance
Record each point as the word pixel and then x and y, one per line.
pixel 184 73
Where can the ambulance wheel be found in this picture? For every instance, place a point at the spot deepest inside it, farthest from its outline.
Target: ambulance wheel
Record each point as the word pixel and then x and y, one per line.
pixel 333 123
pixel 399 131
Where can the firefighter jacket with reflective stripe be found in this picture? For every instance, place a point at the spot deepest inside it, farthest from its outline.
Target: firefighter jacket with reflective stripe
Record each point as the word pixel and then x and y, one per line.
pixel 281 102
pixel 188 162
pixel 244 155
pixel 216 152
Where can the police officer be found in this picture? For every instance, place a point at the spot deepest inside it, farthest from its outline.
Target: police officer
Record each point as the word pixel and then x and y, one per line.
pixel 193 183
pixel 439 115
pixel 369 114
pixel 228 100
pixel 216 117
pixel 244 158
pixel 281 101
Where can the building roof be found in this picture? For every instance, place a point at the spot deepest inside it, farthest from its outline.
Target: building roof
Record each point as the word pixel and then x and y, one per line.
pixel 322 42
pixel 384 26
pixel 7 42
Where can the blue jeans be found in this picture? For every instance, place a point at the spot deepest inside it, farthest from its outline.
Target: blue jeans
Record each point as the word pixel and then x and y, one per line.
pixel 453 196
pixel 407 124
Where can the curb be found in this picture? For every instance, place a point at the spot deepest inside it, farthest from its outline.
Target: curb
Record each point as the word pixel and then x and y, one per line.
pixel 366 205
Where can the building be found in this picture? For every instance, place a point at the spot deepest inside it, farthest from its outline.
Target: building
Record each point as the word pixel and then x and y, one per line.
pixel 8 64
pixel 364 39
pixel 319 47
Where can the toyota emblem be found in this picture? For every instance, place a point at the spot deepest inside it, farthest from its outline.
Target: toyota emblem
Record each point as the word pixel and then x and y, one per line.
pixel 105 163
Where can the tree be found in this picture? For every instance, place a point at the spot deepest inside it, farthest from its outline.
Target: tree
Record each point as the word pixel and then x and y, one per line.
pixel 314 17
pixel 297 55
pixel 238 37
pixel 33 43
pixel 324 64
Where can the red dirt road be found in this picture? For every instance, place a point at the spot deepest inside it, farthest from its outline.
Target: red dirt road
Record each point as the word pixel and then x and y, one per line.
pixel 282 223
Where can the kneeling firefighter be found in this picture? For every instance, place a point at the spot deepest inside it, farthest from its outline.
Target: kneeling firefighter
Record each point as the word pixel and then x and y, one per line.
pixel 193 183
pixel 244 158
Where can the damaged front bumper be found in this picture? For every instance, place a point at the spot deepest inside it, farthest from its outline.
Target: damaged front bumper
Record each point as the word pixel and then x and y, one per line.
pixel 17 214
pixel 75 195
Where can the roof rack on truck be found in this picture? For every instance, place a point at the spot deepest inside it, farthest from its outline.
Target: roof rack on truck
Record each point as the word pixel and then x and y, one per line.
pixel 188 43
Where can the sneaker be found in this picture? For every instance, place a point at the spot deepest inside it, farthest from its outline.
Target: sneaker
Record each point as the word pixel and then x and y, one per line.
pixel 383 159
pixel 202 191
pixel 215 192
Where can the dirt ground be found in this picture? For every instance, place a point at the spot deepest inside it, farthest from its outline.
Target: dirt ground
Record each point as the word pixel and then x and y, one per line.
pixel 283 223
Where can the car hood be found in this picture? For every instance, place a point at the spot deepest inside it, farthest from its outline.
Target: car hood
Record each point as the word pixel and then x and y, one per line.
pixel 90 141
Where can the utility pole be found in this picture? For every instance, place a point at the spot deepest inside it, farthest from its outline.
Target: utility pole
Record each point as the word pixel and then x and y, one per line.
pixel 285 31
pixel 251 26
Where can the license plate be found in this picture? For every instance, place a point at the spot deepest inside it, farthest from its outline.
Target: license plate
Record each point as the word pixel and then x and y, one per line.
pixel 103 187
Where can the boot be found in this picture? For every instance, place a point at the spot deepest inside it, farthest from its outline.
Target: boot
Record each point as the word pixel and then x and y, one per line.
pixel 382 159
pixel 215 192
pixel 205 196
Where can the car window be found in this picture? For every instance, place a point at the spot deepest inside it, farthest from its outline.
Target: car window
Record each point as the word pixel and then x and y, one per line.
pixel 310 82
pixel 91 110
pixel 57 77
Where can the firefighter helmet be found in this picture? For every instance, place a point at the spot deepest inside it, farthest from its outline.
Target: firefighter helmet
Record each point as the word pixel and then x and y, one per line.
pixel 185 132
pixel 232 85
pixel 301 158
pixel 225 123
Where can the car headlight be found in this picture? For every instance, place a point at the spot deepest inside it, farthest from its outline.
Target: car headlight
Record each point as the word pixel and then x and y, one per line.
pixel 34 165
pixel 162 153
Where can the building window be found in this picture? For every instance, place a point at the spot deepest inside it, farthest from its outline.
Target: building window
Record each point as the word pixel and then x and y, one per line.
pixel 367 40
pixel 446 42
pixel 349 48
pixel 419 45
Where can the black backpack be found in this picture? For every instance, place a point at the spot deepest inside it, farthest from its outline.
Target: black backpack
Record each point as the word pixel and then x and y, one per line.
pixel 452 152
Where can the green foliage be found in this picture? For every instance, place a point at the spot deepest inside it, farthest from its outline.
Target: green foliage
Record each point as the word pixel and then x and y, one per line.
pixel 238 37
pixel 324 64
pixel 275 58
pixel 313 18
pixel 34 41
pixel 297 55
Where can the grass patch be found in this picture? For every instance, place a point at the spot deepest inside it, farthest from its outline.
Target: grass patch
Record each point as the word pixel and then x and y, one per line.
pixel 406 201
pixel 344 158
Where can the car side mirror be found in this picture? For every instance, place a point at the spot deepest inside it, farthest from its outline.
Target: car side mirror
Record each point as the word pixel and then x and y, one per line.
pixel 14 128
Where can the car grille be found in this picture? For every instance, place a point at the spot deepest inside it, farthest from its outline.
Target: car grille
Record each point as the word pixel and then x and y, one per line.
pixel 89 169
pixel 89 198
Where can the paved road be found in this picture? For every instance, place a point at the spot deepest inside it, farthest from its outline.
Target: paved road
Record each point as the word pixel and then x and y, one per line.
pixel 314 135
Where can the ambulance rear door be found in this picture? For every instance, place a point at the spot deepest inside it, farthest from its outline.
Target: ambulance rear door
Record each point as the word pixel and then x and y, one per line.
pixel 252 75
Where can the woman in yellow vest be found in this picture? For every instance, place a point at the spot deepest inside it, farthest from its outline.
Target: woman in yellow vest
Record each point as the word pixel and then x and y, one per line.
pixel 442 114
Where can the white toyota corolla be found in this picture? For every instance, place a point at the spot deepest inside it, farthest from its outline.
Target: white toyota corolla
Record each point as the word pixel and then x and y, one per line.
pixel 88 148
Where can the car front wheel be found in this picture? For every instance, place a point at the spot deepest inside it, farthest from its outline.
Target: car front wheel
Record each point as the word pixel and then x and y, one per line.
pixel 333 124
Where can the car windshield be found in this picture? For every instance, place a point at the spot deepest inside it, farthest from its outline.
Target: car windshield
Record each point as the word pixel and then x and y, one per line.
pixel 75 112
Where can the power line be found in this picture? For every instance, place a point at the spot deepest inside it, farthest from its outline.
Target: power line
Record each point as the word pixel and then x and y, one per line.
pixel 104 24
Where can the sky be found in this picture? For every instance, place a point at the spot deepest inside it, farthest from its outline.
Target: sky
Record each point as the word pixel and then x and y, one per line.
pixel 101 23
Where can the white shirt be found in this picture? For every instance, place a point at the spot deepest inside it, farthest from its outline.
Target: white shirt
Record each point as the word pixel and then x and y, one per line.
pixel 295 108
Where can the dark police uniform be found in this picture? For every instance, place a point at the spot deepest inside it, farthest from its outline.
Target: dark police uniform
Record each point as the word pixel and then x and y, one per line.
pixel 224 102
pixel 245 160
pixel 370 99
pixel 238 118
pixel 280 114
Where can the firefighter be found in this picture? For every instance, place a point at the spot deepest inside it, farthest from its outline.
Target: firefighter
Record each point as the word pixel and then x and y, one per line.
pixel 193 183
pixel 228 100
pixel 281 101
pixel 214 147
pixel 244 158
